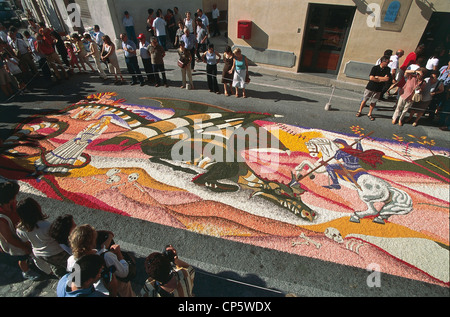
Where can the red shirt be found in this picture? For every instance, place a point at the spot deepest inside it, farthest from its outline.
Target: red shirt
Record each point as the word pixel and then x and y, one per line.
pixel 411 58
pixel 44 47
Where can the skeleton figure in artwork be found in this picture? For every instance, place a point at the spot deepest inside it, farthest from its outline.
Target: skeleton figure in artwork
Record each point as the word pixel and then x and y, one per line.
pixel 112 176
pixel 371 189
pixel 334 234
pixel 132 179
pixel 350 244
pixel 63 158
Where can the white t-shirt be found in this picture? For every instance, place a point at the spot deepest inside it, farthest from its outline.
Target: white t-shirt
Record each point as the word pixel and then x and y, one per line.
pixel 189 25
pixel 41 242
pixel 215 13
pixel 432 63
pixel 143 50
pixel 393 62
pixel 160 26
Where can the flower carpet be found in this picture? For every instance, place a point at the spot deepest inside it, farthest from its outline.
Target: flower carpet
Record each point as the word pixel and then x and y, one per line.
pixel 347 198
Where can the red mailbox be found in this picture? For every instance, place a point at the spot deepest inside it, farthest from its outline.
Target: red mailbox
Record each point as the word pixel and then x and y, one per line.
pixel 244 29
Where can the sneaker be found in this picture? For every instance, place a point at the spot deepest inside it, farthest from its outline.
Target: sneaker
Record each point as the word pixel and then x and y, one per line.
pixel 30 275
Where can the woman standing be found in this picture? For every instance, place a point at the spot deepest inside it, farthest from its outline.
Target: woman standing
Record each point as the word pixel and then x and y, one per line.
pixel 414 84
pixel 109 55
pixel 240 68
pixel 189 23
pixel 210 58
pixel 432 88
pixel 227 78
pixel 185 59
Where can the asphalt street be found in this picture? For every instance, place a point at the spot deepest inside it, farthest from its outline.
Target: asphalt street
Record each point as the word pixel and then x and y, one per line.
pixel 225 268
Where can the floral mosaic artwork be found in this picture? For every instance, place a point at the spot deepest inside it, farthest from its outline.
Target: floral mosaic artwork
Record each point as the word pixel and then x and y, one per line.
pixel 351 199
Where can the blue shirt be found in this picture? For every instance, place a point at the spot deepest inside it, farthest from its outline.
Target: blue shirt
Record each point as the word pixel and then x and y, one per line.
pixel 129 45
pixel 64 290
pixel 189 41
pixel 444 75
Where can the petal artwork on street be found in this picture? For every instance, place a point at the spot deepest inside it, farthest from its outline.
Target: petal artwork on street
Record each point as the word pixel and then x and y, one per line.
pixel 351 199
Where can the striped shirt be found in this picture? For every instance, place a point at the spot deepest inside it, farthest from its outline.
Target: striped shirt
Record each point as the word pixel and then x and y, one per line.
pixel 185 277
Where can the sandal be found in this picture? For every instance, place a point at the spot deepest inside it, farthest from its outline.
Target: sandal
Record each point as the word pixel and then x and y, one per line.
pixel 371 118
pixel 358 114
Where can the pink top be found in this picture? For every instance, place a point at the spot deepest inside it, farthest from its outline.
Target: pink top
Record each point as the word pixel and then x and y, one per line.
pixel 411 84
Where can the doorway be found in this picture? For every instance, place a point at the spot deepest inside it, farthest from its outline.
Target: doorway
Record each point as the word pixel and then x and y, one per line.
pixel 325 37
pixel 436 37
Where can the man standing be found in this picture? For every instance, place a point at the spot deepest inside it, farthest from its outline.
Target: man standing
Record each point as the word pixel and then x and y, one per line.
pixel 190 43
pixel 146 58
pixel 379 75
pixel 177 15
pixel 44 45
pixel 394 63
pixel 159 24
pixel 22 51
pixel 157 53
pixel 202 38
pixel 128 23
pixel 204 18
pixel 129 49
pixel 98 37
pixel 38 57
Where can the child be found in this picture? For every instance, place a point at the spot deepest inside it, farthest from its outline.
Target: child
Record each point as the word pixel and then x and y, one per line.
pixel 35 229
pixel 209 57
pixel 73 60
pixel 9 241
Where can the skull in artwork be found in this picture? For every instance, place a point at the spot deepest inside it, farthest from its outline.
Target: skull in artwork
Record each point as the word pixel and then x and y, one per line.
pixel 334 234
pixel 133 177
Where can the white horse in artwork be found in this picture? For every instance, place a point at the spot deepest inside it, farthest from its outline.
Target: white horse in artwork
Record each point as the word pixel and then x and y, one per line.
pixel 371 189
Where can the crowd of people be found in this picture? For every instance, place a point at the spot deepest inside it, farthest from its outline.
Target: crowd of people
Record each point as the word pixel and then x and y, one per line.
pixel 419 84
pixel 87 262
pixel 41 51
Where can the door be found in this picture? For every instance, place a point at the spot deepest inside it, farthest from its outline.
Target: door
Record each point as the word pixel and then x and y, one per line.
pixel 326 34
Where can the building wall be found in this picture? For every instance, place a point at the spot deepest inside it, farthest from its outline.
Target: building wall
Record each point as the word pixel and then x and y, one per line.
pixel 138 9
pixel 280 24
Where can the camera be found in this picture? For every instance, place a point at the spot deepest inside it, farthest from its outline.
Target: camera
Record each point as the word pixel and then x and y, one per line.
pixel 169 254
pixel 107 273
